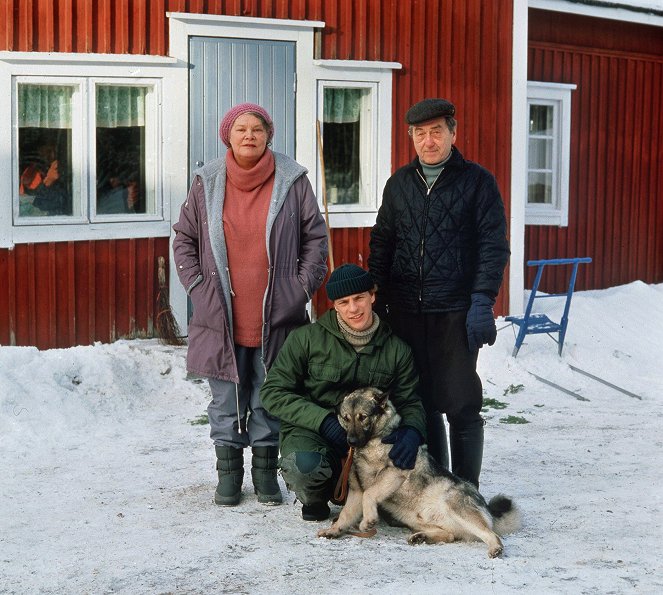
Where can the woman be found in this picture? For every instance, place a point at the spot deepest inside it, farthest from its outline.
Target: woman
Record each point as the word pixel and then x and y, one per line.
pixel 250 249
pixel 347 348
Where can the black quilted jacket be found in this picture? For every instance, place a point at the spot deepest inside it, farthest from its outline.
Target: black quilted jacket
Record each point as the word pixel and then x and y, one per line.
pixel 431 249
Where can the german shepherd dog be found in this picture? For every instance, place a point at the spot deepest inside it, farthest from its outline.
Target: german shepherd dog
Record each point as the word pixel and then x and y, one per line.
pixel 429 500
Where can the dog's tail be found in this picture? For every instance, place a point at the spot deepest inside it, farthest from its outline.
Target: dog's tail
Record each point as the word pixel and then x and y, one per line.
pixel 506 516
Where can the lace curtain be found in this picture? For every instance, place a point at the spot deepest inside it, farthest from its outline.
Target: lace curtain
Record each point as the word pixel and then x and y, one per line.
pixel 342 106
pixel 120 106
pixel 44 106
pixel 50 106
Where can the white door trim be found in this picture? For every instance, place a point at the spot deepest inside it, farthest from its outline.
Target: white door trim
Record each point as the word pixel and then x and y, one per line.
pixel 183 26
pixel 518 158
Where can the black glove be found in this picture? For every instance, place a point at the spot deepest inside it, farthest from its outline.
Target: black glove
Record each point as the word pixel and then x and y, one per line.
pixel 406 442
pixel 480 322
pixel 333 432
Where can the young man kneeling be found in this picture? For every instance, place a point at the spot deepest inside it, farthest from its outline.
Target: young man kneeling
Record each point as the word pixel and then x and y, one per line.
pixel 347 348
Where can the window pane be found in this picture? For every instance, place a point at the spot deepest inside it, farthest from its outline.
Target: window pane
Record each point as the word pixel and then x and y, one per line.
pixel 345 121
pixel 539 188
pixel 45 150
pixel 541 119
pixel 121 182
pixel 540 153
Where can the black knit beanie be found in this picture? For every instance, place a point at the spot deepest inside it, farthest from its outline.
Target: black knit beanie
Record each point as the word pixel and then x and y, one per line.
pixel 348 279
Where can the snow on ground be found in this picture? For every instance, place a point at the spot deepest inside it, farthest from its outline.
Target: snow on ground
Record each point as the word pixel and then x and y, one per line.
pixel 107 478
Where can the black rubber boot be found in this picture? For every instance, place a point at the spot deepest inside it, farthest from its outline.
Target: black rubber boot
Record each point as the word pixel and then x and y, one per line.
pixel 437 439
pixel 230 465
pixel 318 511
pixel 264 464
pixel 467 451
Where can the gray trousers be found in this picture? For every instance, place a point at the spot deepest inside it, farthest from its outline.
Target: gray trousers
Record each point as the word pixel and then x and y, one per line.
pixel 237 417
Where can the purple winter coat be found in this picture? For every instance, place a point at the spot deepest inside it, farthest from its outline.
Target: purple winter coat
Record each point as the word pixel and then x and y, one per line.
pixel 296 239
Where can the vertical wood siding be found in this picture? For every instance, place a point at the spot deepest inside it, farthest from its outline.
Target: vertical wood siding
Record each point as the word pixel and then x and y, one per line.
pixel 459 49
pixel 60 294
pixel 616 180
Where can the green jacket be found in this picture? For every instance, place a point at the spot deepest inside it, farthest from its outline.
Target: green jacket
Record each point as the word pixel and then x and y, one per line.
pixel 317 367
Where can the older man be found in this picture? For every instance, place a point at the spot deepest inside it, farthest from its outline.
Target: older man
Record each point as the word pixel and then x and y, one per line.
pixel 437 253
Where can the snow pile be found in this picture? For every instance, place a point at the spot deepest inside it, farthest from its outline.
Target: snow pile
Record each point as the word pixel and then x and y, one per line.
pixel 108 474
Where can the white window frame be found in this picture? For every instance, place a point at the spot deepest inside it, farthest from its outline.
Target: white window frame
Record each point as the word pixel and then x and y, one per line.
pixel 85 71
pixel 84 151
pixel 557 96
pixel 376 145
pixel 77 145
pixel 152 156
pixel 368 140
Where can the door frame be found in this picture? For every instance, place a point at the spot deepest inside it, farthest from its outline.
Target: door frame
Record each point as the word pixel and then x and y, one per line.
pixel 185 25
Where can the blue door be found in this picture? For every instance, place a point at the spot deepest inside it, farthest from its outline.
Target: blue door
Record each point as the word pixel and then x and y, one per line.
pixel 227 71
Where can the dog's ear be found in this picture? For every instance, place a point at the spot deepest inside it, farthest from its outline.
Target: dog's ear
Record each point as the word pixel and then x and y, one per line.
pixel 381 397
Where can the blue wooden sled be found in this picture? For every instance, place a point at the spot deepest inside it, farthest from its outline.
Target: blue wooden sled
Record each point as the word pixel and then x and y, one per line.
pixel 531 324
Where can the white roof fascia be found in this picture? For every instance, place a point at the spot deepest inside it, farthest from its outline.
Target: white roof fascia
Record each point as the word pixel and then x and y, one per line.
pixel 644 13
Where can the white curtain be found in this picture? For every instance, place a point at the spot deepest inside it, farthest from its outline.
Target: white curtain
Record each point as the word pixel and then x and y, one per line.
pixel 120 106
pixel 342 106
pixel 44 106
pixel 50 106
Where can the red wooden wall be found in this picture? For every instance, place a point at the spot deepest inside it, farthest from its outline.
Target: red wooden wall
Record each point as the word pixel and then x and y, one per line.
pixel 616 169
pixel 60 294
pixel 458 49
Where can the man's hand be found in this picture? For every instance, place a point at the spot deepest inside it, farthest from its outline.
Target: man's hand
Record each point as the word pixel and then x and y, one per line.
pixel 333 432
pixel 406 441
pixel 480 322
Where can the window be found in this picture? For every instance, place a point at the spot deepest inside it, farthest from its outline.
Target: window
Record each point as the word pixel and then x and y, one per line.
pixel 123 180
pixel 348 131
pixel 45 175
pixel 67 173
pixel 548 142
pixel 353 97
pixel 92 144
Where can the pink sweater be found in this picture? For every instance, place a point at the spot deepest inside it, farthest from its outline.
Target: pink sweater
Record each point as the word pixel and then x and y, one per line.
pixel 245 208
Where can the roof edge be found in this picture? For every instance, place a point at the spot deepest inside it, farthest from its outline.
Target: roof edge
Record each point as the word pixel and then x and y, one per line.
pixel 641 13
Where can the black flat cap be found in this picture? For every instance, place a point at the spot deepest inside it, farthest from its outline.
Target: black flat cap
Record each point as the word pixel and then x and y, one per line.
pixel 428 109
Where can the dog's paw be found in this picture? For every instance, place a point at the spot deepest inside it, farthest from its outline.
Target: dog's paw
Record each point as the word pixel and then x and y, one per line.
pixel 495 552
pixel 367 524
pixel 417 538
pixel 432 536
pixel 330 533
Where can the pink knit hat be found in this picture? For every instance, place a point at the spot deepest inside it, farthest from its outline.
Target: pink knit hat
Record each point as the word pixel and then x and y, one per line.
pixel 239 110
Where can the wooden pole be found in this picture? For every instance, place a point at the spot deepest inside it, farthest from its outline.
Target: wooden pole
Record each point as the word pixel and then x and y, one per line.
pixel 324 196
